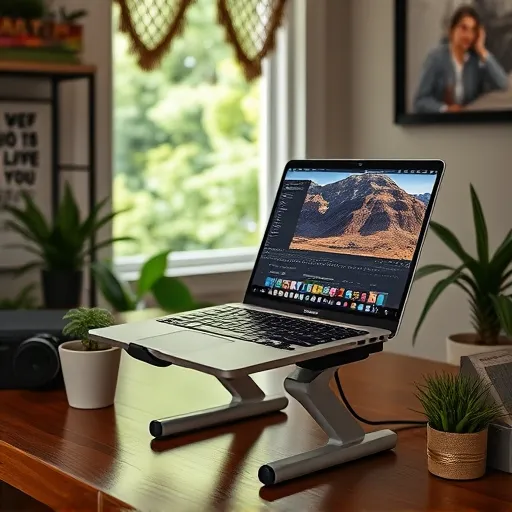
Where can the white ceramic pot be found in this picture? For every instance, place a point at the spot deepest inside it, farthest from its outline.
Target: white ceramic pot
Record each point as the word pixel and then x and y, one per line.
pixel 459 345
pixel 90 377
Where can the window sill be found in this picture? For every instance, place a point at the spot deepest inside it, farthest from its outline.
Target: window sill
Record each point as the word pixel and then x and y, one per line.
pixel 193 263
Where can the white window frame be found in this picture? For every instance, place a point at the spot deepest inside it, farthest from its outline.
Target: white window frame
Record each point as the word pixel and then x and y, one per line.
pixel 284 133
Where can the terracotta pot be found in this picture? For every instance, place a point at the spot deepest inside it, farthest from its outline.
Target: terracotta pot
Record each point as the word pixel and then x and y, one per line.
pixel 90 377
pixel 466 344
pixel 456 456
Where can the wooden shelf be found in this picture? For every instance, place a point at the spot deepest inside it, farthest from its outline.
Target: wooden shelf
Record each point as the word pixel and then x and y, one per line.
pixel 46 69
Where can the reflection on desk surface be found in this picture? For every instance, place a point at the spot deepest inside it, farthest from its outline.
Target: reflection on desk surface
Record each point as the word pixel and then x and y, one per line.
pixel 111 451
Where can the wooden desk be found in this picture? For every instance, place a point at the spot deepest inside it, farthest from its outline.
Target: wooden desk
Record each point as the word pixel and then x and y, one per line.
pixel 104 460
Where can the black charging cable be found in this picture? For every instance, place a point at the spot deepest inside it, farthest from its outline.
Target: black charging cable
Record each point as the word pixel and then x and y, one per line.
pixel 371 422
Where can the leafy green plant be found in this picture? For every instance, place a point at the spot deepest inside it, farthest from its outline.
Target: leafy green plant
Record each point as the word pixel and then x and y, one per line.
pixel 482 278
pixel 457 403
pixel 82 319
pixel 170 293
pixel 24 300
pixel 65 244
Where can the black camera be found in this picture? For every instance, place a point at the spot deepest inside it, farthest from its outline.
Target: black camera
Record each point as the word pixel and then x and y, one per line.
pixel 29 349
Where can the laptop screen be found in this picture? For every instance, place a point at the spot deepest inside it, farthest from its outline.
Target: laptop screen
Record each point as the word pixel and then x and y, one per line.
pixel 345 239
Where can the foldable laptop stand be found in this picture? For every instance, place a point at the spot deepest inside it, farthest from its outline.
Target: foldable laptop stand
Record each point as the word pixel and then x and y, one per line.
pixel 309 385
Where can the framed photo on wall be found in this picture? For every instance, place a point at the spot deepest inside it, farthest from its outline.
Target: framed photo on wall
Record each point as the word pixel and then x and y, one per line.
pixel 453 61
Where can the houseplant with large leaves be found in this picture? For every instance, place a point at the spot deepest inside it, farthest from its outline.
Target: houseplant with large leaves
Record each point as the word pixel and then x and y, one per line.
pixel 62 246
pixel 170 294
pixel 482 278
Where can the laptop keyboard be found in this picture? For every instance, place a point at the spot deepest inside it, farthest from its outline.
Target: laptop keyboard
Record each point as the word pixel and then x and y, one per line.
pixel 264 328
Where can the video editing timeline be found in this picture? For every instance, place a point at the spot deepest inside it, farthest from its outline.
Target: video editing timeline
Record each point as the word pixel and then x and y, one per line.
pixel 323 280
pixel 330 278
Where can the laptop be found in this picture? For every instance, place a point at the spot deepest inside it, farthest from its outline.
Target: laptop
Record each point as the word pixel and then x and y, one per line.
pixel 333 272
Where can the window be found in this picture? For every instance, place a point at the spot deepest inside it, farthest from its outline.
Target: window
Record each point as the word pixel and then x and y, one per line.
pixel 188 147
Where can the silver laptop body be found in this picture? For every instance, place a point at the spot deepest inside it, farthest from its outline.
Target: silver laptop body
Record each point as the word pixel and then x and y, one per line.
pixel 333 272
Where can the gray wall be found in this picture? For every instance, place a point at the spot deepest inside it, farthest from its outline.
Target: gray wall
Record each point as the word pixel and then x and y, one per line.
pixel 349 95
pixel 478 154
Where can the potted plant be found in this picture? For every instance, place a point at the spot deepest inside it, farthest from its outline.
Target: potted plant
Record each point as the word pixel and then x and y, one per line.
pixel 171 294
pixel 89 368
pixel 459 410
pixel 61 247
pixel 481 278
pixel 30 30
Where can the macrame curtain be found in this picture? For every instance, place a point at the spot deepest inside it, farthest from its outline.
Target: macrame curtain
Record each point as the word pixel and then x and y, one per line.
pixel 250 26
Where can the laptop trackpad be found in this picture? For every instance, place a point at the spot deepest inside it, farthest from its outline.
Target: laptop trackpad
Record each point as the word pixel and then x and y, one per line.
pixel 183 342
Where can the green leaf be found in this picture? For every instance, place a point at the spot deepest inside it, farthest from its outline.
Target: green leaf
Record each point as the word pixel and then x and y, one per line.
pixel 438 289
pixel 503 307
pixel 25 233
pixel 462 424
pixel 27 267
pixel 506 241
pixel 451 241
pixel 502 257
pixel 444 421
pixel 482 235
pixel 68 216
pixel 506 283
pixel 24 247
pixel 172 295
pixel 106 243
pixel 36 217
pixel 116 293
pixel 430 269
pixel 151 271
pixel 87 228
pixel 27 225
pixel 108 218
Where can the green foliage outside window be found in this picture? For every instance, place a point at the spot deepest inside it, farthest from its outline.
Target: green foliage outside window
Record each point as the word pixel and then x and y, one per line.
pixel 186 145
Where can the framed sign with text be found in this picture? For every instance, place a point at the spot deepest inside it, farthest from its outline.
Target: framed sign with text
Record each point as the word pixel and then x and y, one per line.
pixel 25 165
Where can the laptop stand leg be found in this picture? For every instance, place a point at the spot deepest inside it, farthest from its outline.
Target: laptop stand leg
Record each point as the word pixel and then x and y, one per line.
pixel 347 440
pixel 248 400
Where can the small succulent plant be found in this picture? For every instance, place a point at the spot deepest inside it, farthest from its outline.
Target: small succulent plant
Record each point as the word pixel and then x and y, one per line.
pixel 82 319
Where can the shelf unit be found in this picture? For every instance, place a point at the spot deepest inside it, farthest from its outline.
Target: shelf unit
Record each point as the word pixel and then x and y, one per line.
pixel 56 74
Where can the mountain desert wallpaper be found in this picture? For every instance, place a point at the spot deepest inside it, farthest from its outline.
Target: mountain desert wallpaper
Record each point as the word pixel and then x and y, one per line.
pixel 371 215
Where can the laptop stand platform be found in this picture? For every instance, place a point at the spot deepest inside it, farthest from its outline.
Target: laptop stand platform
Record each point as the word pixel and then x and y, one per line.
pixel 248 400
pixel 309 385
